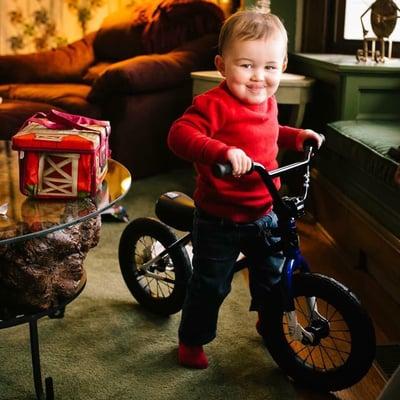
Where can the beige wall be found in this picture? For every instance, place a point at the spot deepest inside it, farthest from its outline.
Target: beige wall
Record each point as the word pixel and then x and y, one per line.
pixel 68 27
pixel 66 21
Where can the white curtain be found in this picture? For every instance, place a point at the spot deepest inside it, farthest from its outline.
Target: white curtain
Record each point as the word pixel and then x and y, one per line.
pixel 65 19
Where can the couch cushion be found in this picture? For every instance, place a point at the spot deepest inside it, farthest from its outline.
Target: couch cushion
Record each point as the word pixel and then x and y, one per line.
pixel 355 159
pixel 155 27
pixel 367 144
pixel 120 36
pixel 152 72
pixel 65 64
pixel 70 97
pixel 174 22
pixel 95 71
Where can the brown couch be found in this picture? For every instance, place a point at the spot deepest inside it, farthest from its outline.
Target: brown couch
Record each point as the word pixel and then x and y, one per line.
pixel 133 71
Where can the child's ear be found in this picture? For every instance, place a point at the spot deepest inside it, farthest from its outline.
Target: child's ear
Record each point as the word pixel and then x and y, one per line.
pixel 219 64
pixel 284 66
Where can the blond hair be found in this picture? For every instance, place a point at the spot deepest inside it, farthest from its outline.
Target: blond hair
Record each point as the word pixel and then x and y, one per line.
pixel 251 24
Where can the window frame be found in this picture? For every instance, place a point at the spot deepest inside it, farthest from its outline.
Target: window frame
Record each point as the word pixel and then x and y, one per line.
pixel 323 29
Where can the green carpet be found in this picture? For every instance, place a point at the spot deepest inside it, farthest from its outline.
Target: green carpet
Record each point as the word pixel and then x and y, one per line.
pixel 108 347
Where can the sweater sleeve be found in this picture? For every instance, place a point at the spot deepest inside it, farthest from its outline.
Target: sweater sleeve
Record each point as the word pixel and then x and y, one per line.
pixel 287 137
pixel 191 136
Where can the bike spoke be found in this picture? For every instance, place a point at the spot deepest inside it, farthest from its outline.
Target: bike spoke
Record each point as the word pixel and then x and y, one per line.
pixel 144 284
pixel 330 352
pixel 340 339
pixel 159 289
pixel 340 354
pixel 311 351
pixel 329 356
pixel 163 286
pixel 336 320
pixel 339 330
pixel 322 357
pixel 334 349
pixel 331 317
pixel 297 301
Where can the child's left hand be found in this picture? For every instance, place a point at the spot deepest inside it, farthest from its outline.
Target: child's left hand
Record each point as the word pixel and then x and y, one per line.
pixel 305 135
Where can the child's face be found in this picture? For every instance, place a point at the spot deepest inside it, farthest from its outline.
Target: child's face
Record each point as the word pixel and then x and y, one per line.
pixel 253 68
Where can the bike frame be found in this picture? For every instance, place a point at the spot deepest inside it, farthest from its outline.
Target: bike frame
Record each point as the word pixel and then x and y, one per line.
pixel 303 315
pixel 289 243
pixel 287 209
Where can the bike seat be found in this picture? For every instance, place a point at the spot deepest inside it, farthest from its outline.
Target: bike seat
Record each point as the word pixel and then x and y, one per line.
pixel 176 210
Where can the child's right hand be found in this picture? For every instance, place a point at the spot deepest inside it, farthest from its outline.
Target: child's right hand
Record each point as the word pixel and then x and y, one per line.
pixel 241 163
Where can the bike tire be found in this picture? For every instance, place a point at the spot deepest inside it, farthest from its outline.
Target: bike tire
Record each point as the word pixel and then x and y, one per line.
pixel 164 292
pixel 305 364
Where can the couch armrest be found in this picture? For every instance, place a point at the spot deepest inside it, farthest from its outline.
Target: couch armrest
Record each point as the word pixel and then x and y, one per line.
pixel 64 64
pixel 153 72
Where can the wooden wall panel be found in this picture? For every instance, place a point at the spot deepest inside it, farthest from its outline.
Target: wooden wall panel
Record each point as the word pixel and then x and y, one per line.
pixel 366 244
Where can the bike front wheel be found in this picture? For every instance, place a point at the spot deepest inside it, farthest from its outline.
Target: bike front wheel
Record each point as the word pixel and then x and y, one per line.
pixel 156 274
pixel 343 345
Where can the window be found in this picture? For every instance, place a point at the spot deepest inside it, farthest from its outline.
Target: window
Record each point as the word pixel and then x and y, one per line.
pixel 334 26
pixel 352 23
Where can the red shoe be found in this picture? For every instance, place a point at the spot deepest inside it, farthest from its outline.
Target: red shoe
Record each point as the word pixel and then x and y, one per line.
pixel 192 356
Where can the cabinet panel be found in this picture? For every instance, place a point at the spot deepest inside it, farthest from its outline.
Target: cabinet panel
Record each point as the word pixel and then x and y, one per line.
pixel 346 89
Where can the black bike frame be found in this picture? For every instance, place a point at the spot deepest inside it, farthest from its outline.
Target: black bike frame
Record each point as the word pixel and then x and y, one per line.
pixel 288 244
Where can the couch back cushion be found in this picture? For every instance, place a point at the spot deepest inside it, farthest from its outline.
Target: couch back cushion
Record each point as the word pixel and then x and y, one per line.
pixel 155 27
pixel 366 143
pixel 152 72
pixel 120 36
pixel 175 22
pixel 64 64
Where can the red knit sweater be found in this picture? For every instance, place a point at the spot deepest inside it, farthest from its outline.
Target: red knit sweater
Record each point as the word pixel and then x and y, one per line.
pixel 216 122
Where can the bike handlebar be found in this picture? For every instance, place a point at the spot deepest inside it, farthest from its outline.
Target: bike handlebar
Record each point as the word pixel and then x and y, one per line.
pixel 222 170
pixel 311 143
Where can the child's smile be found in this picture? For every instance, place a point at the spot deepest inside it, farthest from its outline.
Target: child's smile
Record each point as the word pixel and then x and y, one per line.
pixel 255 88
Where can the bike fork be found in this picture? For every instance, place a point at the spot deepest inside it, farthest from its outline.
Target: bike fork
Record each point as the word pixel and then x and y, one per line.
pixel 296 331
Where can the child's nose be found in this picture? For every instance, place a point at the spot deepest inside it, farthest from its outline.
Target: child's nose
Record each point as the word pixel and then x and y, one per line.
pixel 258 74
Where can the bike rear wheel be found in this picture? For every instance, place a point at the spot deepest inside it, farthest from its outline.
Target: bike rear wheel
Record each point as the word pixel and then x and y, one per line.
pixel 158 285
pixel 344 347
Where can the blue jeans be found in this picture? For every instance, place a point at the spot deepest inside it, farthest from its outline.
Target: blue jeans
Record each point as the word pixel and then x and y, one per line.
pixel 217 244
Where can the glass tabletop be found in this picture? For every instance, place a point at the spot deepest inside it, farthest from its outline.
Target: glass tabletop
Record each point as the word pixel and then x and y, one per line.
pixel 23 218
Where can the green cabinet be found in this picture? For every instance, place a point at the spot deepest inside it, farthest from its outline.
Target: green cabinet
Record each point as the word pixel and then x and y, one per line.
pixel 346 89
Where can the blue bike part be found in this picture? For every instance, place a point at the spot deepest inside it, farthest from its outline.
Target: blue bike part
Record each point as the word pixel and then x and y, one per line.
pixel 291 264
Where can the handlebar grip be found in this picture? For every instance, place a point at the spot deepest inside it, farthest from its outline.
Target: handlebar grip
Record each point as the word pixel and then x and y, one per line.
pixel 312 143
pixel 222 170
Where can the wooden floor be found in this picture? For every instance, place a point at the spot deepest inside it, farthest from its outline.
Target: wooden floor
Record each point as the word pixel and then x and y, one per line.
pixel 324 257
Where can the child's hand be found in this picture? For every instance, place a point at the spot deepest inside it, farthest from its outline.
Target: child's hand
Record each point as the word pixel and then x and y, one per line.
pixel 241 163
pixel 305 135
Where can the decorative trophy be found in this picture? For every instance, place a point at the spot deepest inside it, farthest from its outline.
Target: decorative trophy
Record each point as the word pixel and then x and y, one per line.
pixel 383 21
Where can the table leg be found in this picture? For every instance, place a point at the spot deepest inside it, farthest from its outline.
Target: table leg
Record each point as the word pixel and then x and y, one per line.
pixel 37 374
pixel 297 115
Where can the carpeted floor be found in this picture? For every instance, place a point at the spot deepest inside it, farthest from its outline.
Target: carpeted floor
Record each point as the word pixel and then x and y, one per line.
pixel 107 347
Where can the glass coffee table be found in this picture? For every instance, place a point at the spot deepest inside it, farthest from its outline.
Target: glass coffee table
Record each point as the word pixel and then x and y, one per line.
pixel 43 244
